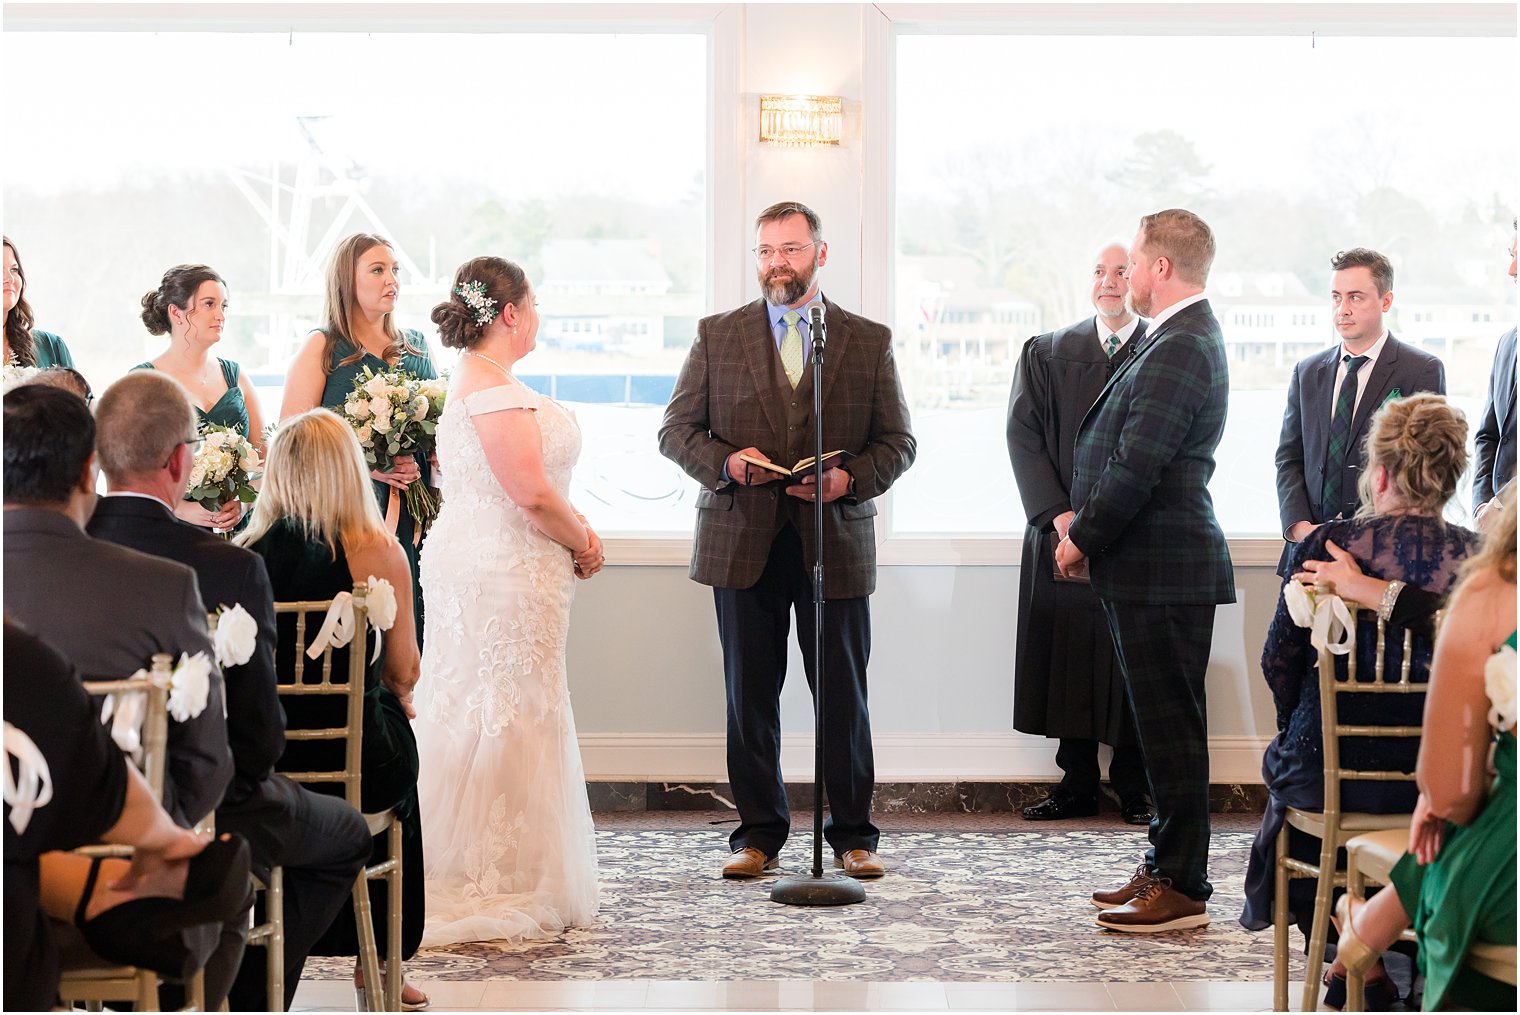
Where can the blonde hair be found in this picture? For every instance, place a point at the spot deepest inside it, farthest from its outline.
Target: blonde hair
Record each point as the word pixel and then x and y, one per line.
pixel 315 475
pixel 140 421
pixel 339 305
pixel 1497 551
pixel 1182 237
pixel 1422 442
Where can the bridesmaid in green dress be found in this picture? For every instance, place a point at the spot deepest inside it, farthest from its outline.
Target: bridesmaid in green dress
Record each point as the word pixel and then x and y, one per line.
pixel 359 331
pixel 1457 882
pixel 190 306
pixel 24 345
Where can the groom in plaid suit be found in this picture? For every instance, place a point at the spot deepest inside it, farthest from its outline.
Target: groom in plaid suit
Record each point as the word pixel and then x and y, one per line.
pixel 1158 559
pixel 747 390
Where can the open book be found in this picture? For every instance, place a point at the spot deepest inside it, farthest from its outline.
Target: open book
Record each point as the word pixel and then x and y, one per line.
pixel 830 460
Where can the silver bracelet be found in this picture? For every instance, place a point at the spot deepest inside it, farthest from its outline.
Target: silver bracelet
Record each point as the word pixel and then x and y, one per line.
pixel 1390 596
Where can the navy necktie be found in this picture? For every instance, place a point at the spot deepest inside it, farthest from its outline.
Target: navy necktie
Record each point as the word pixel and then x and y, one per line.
pixel 1333 493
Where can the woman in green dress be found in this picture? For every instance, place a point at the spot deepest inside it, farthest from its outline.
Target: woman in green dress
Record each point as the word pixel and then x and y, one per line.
pixel 1457 882
pixel 359 330
pixel 190 306
pixel 317 539
pixel 24 345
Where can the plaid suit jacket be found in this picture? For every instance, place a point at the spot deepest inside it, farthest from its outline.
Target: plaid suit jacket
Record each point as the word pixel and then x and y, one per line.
pixel 726 399
pixel 1144 455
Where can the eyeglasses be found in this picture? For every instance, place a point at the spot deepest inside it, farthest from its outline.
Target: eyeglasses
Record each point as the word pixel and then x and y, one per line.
pixel 789 251
pixel 194 442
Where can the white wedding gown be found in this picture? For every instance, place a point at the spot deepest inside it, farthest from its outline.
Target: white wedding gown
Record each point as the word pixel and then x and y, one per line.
pixel 510 852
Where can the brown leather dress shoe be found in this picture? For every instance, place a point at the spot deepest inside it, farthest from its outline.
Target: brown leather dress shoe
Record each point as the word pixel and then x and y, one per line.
pixel 1125 892
pixel 1159 907
pixel 748 862
pixel 862 864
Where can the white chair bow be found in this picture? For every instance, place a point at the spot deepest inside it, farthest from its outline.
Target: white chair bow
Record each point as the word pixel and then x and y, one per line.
pixel 339 626
pixel 31 786
pixel 1325 615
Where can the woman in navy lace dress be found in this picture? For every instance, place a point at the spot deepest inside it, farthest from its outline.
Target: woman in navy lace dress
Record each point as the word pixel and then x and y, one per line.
pixel 1416 453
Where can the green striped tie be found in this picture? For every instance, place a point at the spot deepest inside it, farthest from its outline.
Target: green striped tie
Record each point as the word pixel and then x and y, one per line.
pixel 791 347
pixel 1332 494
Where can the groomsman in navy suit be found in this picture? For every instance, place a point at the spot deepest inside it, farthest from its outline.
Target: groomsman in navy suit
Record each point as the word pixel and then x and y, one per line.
pixel 1334 393
pixel 1495 466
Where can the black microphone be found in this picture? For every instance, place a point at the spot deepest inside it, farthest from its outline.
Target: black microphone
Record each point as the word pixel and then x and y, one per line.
pixel 819 331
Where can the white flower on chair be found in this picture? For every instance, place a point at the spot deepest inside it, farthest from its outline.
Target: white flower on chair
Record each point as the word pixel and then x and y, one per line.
pixel 189 686
pixel 381 602
pixel 1499 685
pixel 237 633
pixel 1299 599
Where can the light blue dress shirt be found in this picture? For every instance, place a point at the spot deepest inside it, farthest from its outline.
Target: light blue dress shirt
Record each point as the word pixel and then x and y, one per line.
pixel 778 326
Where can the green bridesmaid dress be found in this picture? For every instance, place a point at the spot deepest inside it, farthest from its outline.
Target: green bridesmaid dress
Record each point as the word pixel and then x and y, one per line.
pixel 339 383
pixel 48 350
pixel 1467 895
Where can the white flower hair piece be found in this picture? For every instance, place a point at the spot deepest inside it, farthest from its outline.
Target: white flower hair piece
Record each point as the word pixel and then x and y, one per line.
pixel 237 633
pixel 474 296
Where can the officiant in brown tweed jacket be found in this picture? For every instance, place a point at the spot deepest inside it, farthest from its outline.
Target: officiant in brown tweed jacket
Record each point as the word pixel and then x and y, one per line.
pixel 747 389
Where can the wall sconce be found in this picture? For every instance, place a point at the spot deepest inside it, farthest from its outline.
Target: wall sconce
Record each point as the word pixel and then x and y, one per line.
pixel 801 119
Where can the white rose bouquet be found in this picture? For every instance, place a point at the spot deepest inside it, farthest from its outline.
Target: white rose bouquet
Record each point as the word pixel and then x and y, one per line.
pixel 224 469
pixel 395 414
pixel 15 374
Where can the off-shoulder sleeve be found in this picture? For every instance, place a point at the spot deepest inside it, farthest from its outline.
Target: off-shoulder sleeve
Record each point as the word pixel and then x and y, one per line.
pixel 503 396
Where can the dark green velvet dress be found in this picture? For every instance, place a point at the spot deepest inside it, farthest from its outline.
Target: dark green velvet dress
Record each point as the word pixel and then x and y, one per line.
pixel 230 410
pixel 302 569
pixel 339 383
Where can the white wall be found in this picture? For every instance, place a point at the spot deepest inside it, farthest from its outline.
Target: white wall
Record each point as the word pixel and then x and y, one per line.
pixel 645 665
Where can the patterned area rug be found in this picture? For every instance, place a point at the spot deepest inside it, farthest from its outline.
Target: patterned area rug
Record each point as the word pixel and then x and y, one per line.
pixel 957 905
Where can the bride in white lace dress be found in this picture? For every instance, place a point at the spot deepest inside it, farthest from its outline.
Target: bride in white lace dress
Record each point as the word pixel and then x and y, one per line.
pixel 510 848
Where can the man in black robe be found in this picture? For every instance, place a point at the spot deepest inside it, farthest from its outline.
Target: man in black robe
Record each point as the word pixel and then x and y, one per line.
pixel 1067 682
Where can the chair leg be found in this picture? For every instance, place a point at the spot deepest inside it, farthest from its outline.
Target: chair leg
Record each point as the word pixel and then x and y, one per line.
pixel 1319 932
pixel 274 945
pixel 1280 923
pixel 147 993
pixel 195 992
pixel 1355 982
pixel 369 961
pixel 395 980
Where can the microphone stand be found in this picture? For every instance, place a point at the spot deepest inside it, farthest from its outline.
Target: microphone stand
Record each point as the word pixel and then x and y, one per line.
pixel 818 888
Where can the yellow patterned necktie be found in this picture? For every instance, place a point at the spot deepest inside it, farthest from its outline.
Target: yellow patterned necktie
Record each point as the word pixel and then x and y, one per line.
pixel 791 347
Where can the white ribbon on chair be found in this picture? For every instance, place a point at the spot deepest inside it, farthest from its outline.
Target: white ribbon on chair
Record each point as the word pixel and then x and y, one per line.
pixel 1326 615
pixel 31 786
pixel 126 713
pixel 338 627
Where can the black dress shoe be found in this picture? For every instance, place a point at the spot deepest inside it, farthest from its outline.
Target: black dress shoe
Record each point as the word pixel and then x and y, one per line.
pixel 1137 810
pixel 1060 805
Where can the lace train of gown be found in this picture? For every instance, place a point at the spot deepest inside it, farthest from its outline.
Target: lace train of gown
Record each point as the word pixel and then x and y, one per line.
pixel 511 851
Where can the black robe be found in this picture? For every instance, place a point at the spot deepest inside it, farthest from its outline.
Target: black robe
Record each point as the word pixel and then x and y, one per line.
pixel 1066 676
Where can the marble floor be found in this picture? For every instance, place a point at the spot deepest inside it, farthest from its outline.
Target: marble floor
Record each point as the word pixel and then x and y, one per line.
pixel 919 947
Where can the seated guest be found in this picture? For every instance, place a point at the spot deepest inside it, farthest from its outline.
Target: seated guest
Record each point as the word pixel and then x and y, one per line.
pixel 1457 881
pixel 66 378
pixel 1396 602
pixel 71 786
pixel 108 609
pixel 320 841
pixel 1415 455
pixel 319 530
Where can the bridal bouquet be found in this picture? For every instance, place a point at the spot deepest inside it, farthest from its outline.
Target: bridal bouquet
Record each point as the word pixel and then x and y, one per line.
pixel 16 374
pixel 395 414
pixel 224 469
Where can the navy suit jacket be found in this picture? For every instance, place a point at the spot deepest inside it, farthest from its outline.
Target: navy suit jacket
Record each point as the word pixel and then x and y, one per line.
pixel 1142 463
pixel 227 575
pixel 1495 467
pixel 1303 448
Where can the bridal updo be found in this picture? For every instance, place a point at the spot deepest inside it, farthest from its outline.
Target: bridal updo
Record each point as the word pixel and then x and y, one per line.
pixel 482 289
pixel 178 288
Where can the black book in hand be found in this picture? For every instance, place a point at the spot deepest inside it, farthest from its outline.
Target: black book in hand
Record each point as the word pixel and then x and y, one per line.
pixel 804 465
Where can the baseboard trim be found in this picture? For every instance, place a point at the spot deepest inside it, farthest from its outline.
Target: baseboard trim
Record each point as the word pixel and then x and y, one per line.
pixel 900 757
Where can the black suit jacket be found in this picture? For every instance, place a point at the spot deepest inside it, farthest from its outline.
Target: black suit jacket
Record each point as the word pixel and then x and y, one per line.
pixel 228 575
pixel 1495 441
pixel 1304 445
pixel 108 610
pixel 1142 463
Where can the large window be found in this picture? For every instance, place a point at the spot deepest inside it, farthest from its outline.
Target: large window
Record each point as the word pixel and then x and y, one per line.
pixel 1018 157
pixel 582 156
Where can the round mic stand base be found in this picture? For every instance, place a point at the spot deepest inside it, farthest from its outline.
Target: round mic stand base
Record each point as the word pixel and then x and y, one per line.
pixel 824 890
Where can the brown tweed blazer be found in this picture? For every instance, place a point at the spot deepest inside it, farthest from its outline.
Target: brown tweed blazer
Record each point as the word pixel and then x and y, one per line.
pixel 731 394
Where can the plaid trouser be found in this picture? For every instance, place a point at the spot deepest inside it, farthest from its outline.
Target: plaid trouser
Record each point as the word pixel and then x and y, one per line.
pixel 1164 655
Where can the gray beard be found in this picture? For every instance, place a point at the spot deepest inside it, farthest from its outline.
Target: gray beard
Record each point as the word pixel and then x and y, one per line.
pixel 783 293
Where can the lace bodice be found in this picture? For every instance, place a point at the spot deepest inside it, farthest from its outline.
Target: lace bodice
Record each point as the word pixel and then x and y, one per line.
pixel 467 476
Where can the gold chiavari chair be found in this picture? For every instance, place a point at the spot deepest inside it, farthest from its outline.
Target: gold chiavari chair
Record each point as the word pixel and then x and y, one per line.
pixel 1333 826
pixel 299 683
pixel 95 984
